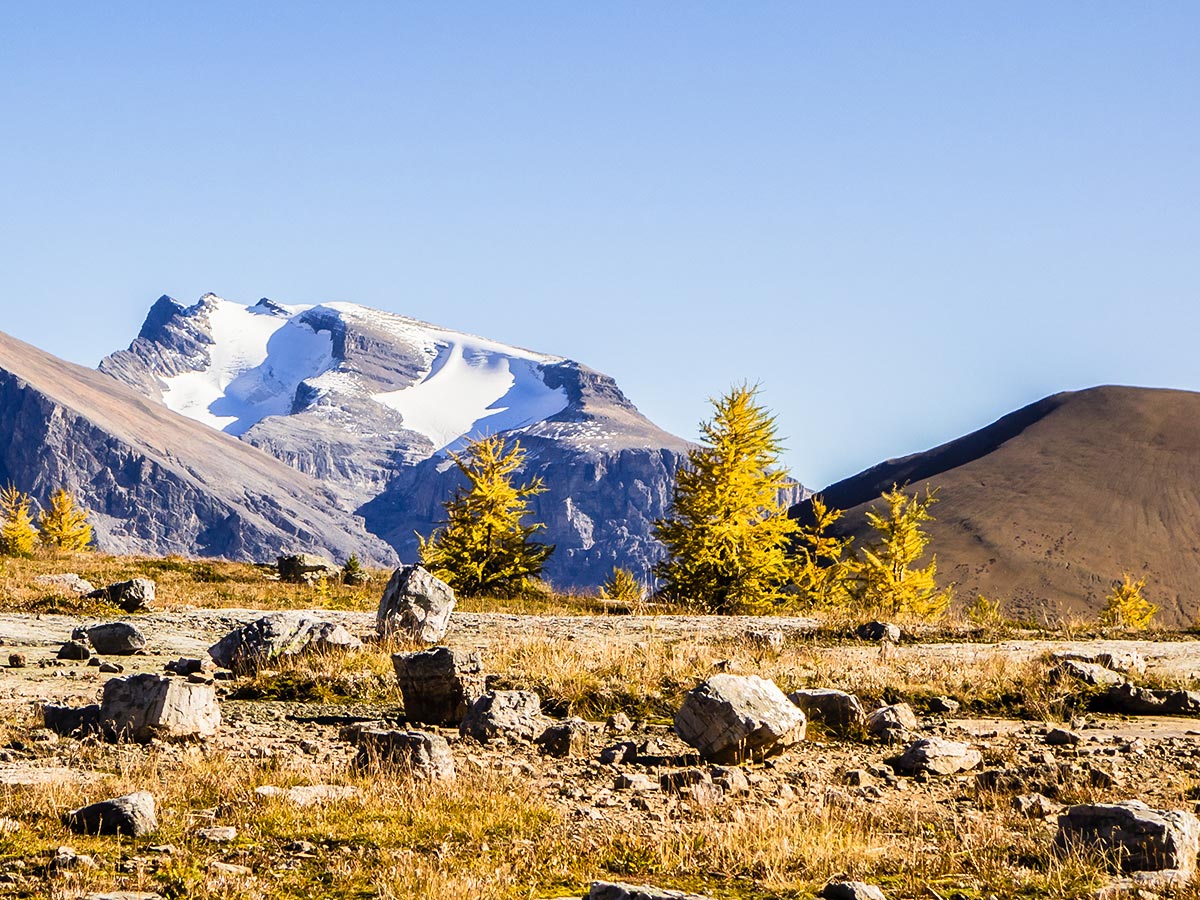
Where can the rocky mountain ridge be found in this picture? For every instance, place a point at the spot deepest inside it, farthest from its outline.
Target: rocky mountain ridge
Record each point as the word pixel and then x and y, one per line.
pixel 155 482
pixel 370 403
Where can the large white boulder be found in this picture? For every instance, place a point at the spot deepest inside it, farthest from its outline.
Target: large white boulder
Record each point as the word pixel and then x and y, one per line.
pixel 730 718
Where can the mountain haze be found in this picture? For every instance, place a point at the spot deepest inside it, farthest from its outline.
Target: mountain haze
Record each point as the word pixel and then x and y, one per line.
pixel 1046 507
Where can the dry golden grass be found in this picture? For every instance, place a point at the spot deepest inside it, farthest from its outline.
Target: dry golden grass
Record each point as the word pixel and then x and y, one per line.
pixel 491 835
pixel 207 583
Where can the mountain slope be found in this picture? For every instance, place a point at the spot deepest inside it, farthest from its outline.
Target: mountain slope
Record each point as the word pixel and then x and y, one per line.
pixel 155 481
pixel 1044 508
pixel 371 403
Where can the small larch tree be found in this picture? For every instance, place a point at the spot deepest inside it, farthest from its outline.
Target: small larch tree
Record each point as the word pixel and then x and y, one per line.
pixel 485 547
pixel 16 523
pixel 889 580
pixel 63 524
pixel 1127 607
pixel 728 532
pixel 824 569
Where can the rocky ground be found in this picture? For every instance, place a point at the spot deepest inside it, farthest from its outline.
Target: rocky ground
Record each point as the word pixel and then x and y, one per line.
pixel 630 799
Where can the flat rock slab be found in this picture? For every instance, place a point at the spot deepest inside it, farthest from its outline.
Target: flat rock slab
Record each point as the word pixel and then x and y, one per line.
pixel 280 634
pixel 308 794
pixel 938 756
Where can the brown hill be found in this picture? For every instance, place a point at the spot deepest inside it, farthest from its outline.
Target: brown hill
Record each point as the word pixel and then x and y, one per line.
pixel 1046 507
pixel 155 481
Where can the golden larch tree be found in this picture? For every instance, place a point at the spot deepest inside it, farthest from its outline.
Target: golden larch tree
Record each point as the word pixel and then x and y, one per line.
pixel 16 523
pixel 63 524
pixel 484 546
pixel 727 534
pixel 889 580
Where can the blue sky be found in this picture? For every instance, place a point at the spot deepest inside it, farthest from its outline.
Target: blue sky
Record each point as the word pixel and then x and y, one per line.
pixel 902 219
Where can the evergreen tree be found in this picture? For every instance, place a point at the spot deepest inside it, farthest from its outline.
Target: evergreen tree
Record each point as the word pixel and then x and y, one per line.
pixel 483 548
pixel 728 532
pixel 63 524
pixel 16 523
pixel 824 570
pixel 889 581
pixel 1127 607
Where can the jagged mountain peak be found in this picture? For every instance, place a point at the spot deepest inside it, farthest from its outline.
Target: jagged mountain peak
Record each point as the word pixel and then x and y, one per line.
pixel 370 402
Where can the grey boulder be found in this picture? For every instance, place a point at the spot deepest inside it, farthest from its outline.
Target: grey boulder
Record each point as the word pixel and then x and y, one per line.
pixel 439 685
pixel 730 718
pixel 1141 839
pixel 851 890
pixel 889 722
pixel 132 596
pixel 938 756
pixel 280 634
pixel 305 568
pixel 836 709
pixel 504 714
pixel 418 753
pixel 116 638
pixel 132 816
pixel 143 707
pixel 415 604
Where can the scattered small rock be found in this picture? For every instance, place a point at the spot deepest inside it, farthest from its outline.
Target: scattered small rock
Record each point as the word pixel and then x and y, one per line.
pixel 944 705
pixel 572 737
pixel 614 890
pixel 836 709
pixel 217 834
pixel 65 859
pixel 305 568
pixel 68 584
pixel 851 890
pixel 1035 806
pixel 618 723
pixel 74 650
pixel 418 753
pixel 1061 737
pixel 17 661
pixel 891 722
pixel 878 631
pixel 308 794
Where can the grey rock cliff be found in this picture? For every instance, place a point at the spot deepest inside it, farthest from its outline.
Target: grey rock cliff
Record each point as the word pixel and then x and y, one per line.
pixel 154 481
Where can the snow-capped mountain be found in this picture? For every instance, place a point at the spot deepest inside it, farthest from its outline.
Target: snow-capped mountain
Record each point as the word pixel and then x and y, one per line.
pixel 370 403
